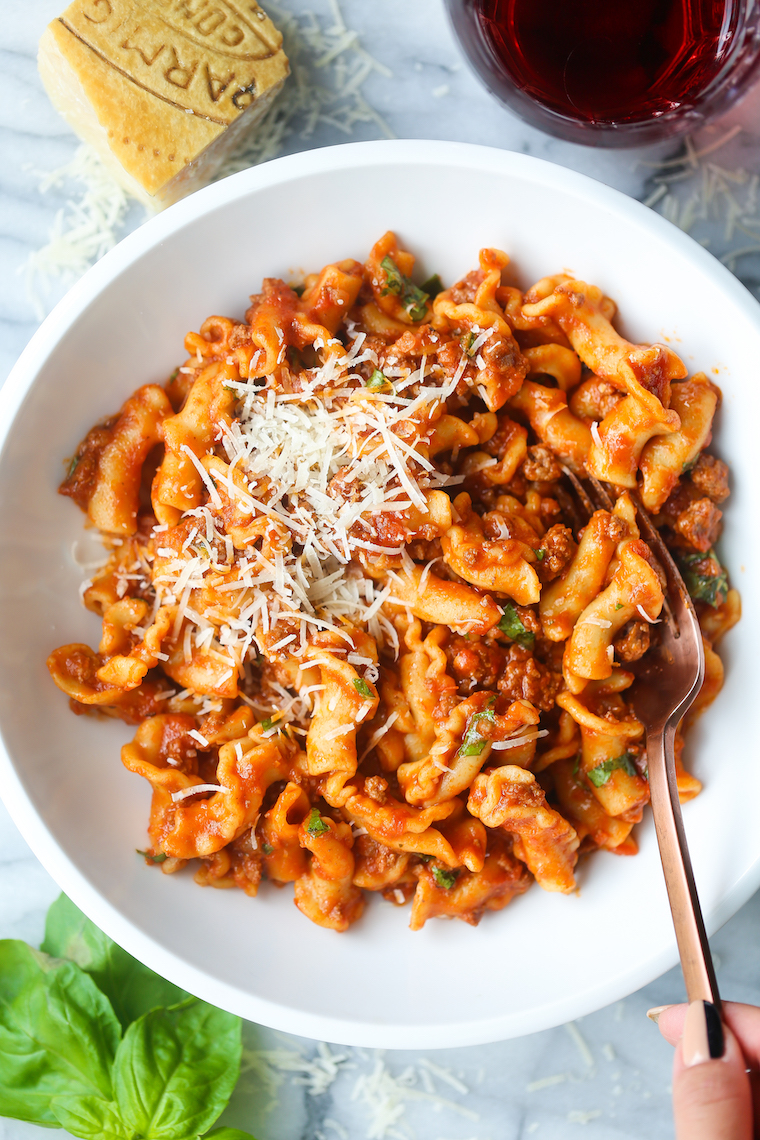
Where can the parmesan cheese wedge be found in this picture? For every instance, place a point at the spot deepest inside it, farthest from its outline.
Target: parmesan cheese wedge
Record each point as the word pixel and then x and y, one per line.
pixel 162 89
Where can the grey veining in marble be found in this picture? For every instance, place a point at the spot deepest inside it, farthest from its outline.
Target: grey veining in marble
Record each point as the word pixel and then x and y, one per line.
pixel 608 1076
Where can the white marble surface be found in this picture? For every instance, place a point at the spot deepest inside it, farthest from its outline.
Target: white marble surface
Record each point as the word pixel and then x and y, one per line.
pixel 608 1077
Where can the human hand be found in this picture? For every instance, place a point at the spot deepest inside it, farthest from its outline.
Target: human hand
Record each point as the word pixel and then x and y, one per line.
pixel 714 1097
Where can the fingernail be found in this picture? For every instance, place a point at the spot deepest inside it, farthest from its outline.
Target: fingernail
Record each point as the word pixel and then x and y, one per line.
pixel 654 1013
pixel 702 1034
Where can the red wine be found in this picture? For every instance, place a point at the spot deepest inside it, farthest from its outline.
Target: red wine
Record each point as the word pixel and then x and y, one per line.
pixel 610 61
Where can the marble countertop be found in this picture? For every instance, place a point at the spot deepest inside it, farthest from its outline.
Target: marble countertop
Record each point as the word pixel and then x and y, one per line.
pixel 608 1075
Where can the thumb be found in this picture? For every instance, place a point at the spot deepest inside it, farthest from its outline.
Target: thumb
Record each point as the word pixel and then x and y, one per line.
pixel 712 1099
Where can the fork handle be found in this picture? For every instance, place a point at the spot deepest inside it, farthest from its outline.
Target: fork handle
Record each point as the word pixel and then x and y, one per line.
pixel 693 947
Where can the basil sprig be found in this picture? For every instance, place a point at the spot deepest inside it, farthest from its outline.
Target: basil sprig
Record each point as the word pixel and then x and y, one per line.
pixel 513 627
pixel 94 1042
pixel 445 878
pixel 600 775
pixel 413 299
pixel 363 688
pixel 473 743
pixel 705 578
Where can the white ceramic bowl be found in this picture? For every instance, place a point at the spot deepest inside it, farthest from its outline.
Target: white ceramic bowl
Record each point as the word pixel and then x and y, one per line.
pixel 546 958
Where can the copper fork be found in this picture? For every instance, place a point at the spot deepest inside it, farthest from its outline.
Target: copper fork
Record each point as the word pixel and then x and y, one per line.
pixel 667 682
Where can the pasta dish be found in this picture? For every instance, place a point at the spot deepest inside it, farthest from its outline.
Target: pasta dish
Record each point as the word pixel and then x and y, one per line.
pixel 366 640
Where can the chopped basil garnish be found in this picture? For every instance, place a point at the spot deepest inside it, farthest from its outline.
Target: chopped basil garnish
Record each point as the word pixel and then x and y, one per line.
pixel 413 299
pixel 576 764
pixel 444 878
pixel 73 464
pixel 379 382
pixel 541 554
pixel 174 374
pixel 160 858
pixel 467 344
pixel 473 743
pixel 267 848
pixel 511 625
pixel 711 587
pixel 363 688
pixel 269 722
pixel 600 775
pixel 618 605
pixel 315 825
pixel 433 286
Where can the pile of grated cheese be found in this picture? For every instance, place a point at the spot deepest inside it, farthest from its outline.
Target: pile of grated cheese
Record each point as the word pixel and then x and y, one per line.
pixel 287 452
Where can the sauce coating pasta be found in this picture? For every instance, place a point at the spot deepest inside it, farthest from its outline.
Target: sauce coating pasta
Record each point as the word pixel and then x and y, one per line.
pixel 364 638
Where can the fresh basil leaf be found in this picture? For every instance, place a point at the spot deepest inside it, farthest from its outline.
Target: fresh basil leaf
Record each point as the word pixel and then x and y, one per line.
pixel 379 382
pixel 228 1134
pixel 600 775
pixel 175 1070
pixel 160 858
pixel 58 1034
pixel 363 688
pixel 131 988
pixel 269 722
pixel 413 299
pixel 541 554
pixel 394 280
pixel 90 1118
pixel 433 286
pixel 444 878
pixel 513 627
pixel 315 825
pixel 473 743
pixel 467 343
pixel 705 578
pixel 267 848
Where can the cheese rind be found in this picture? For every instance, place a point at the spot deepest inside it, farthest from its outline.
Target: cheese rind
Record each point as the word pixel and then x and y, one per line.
pixel 162 90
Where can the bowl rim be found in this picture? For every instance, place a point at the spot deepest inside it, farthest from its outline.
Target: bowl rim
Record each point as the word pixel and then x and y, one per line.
pixel 12 394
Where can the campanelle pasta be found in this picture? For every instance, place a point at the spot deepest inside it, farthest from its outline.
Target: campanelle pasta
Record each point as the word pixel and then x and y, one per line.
pixel 365 641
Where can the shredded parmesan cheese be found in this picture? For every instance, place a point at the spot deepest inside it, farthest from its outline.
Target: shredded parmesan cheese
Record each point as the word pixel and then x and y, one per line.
pixel 183 793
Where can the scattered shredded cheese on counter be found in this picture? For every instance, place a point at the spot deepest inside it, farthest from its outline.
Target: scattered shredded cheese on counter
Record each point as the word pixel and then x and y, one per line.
pixel 329 68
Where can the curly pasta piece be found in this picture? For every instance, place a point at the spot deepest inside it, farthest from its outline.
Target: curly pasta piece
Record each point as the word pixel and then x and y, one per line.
pixel 554 423
pixel 665 459
pixel 635 587
pixel 512 799
pixel 188 436
pixel 126 670
pixel 605 761
pixel 452 604
pixel 377 866
pixel 115 498
pixel 425 683
pixel 642 370
pixel 586 814
pixel 190 828
pixel 565 599
pixel 461 748
pixel 330 295
pixel 284 857
pixel 503 566
pixel 622 435
pixel 326 893
pixel 554 360
pixel 346 700
pixel 501 878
